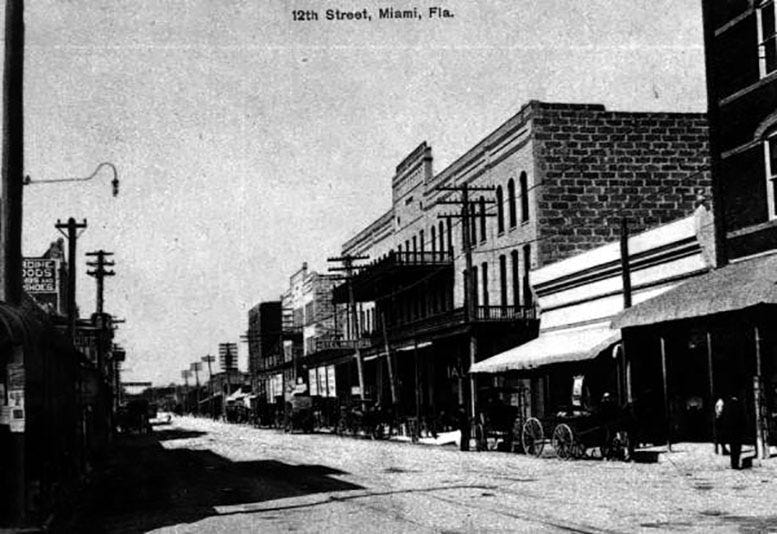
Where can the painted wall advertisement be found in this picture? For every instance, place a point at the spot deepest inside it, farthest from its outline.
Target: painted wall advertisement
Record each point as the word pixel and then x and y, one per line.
pixel 40 278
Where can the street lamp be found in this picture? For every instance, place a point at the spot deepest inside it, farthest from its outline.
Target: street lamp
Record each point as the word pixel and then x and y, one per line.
pixel 114 182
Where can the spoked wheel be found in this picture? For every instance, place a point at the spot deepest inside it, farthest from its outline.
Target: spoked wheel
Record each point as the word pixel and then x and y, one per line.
pixel 532 437
pixel 564 442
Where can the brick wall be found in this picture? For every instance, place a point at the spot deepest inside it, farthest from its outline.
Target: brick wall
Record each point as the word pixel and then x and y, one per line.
pixel 593 165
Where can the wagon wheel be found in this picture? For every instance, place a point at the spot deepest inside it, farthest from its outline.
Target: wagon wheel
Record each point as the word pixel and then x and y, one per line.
pixel 564 441
pixel 532 437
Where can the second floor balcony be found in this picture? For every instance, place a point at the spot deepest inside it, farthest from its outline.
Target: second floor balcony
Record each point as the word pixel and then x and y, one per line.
pixel 455 320
pixel 393 270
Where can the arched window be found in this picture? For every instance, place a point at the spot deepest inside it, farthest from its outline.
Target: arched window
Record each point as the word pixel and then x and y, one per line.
pixel 450 236
pixel 482 203
pixel 503 281
pixel 475 286
pixel 421 239
pixel 473 226
pixel 511 202
pixel 442 235
pixel 484 274
pixel 500 210
pixel 527 298
pixel 433 240
pixel 524 198
pixel 515 278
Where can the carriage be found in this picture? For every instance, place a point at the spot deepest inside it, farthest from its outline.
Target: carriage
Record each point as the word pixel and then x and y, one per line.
pixel 577 409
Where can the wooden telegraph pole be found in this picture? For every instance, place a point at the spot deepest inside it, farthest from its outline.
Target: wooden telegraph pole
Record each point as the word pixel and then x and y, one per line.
pixel 209 359
pixel 348 268
pixel 467 216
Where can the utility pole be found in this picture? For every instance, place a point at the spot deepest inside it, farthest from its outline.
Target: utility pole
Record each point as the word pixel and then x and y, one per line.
pixel 197 367
pixel 11 236
pixel 625 263
pixel 99 273
pixel 72 236
pixel 348 267
pixel 209 359
pixel 470 291
pixel 186 374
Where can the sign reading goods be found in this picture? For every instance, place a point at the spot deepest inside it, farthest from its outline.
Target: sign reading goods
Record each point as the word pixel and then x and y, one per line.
pixel 40 277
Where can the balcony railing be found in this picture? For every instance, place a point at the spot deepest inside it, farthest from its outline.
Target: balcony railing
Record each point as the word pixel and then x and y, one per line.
pixel 341 344
pixel 505 313
pixel 418 258
pixel 457 317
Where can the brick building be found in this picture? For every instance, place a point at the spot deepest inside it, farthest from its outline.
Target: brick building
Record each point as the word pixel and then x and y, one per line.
pixel 264 329
pixel 729 312
pixel 561 177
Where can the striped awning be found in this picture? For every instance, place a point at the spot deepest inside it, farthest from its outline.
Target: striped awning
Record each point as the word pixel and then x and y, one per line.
pixel 565 345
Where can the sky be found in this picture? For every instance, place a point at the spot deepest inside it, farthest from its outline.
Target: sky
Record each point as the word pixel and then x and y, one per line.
pixel 247 143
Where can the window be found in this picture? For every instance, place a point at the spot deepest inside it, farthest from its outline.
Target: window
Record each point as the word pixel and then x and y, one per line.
pixel 421 239
pixel 442 236
pixel 484 271
pixel 514 269
pixel 524 197
pixel 450 236
pixel 415 248
pixel 433 240
pixel 770 155
pixel 511 202
pixel 500 210
pixel 482 203
pixel 527 298
pixel 473 226
pixel 767 39
pixel 475 285
pixel 503 280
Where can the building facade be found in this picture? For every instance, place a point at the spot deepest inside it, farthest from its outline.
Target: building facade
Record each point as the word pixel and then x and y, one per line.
pixel 552 181
pixel 741 52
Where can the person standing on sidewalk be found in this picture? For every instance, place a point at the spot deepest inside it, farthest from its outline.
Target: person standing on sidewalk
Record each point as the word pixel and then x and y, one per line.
pixel 734 427
pixel 464 427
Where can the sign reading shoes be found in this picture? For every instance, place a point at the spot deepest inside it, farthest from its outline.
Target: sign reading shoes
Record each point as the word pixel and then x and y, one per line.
pixel 40 277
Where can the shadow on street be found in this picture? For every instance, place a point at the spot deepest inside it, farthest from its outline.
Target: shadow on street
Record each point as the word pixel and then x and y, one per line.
pixel 141 486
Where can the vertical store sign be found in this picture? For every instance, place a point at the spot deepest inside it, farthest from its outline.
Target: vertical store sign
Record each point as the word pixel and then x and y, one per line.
pixel 321 375
pixel 40 278
pixel 330 381
pixel 312 382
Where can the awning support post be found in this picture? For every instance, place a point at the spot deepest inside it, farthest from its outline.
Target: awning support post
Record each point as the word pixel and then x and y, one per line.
pixel 761 451
pixel 389 361
pixel 712 388
pixel 666 396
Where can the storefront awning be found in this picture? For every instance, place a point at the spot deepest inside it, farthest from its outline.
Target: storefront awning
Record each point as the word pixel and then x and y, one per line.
pixel 567 345
pixel 735 287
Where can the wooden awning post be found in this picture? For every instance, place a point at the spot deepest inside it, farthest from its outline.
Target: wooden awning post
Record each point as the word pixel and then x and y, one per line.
pixel 666 396
pixel 712 388
pixel 389 361
pixel 761 451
